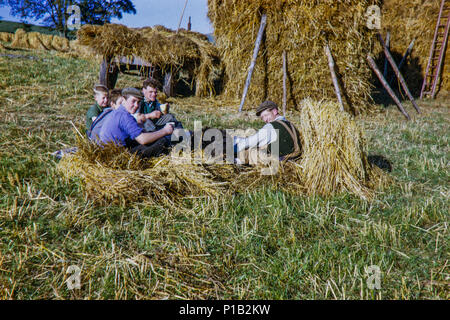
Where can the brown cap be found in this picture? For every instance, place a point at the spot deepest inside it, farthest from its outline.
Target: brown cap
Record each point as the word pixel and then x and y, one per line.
pixel 266 105
pixel 132 92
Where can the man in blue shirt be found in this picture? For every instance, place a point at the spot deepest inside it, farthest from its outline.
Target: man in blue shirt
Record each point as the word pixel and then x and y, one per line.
pixel 122 128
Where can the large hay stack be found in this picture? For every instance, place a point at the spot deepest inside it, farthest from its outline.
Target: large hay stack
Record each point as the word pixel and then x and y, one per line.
pixel 184 51
pixel 299 27
pixel 414 20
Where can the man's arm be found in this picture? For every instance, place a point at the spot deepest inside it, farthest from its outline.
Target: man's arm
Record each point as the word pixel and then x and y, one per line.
pixel 149 137
pixel 263 137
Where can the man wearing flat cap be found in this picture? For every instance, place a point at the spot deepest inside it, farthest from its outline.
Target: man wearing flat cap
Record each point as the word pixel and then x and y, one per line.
pixel 277 130
pixel 122 128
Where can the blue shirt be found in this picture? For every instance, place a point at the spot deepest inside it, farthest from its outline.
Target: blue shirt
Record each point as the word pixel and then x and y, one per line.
pixel 120 126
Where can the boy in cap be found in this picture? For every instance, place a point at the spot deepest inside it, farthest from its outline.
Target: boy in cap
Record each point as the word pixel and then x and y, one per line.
pixel 101 101
pixel 122 128
pixel 277 130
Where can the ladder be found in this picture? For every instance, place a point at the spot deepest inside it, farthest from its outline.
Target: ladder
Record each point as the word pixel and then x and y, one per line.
pixel 437 51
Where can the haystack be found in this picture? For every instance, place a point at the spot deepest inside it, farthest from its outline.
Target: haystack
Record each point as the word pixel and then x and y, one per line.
pixel 47 40
pixel 170 51
pixel 334 160
pixel 6 36
pixel 78 50
pixel 299 27
pixel 60 44
pixel 20 39
pixel 35 41
pixel 416 20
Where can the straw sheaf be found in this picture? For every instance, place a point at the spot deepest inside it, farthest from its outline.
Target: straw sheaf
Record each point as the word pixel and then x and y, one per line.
pixel 300 28
pixel 334 160
pixel 39 41
pixel 20 39
pixel 160 46
pixel 416 20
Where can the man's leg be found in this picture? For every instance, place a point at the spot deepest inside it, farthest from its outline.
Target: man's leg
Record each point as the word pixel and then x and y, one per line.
pixel 154 149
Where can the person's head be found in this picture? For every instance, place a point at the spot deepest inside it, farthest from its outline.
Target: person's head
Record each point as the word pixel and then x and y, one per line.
pixel 115 98
pixel 132 98
pixel 150 89
pixel 101 95
pixel 267 111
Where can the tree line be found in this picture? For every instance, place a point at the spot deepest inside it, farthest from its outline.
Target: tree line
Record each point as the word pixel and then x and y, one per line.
pixel 54 13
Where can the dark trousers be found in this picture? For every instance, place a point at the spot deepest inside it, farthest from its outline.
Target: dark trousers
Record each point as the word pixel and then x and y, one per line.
pixel 150 150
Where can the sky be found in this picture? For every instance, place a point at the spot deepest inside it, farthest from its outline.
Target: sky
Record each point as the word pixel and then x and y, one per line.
pixel 153 12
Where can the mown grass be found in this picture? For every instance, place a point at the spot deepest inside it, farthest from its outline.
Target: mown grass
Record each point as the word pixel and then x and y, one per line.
pixel 256 245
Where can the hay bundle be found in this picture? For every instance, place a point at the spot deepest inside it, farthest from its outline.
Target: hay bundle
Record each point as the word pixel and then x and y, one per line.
pixel 6 36
pixel 334 152
pixel 47 40
pixel 299 27
pixel 78 50
pixel 417 20
pixel 35 41
pixel 160 46
pixel 60 44
pixel 20 39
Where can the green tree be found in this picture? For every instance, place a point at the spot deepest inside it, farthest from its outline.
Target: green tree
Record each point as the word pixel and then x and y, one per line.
pixel 53 13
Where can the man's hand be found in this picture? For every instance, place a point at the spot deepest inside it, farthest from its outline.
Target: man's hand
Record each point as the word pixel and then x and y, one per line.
pixel 168 128
pixel 141 118
pixel 153 115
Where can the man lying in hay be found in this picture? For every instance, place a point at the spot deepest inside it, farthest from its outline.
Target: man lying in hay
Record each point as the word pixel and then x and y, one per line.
pixel 277 132
pixel 122 128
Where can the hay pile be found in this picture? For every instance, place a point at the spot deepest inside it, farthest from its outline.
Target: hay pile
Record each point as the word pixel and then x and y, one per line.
pixel 334 160
pixel 299 27
pixel 416 20
pixel 184 51
pixel 40 41
pixel 36 40
pixel 335 152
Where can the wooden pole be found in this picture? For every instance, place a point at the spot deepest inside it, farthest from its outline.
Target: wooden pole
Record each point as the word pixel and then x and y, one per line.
pixel 284 82
pixel 387 87
pixel 408 51
pixel 262 26
pixel 333 75
pixel 182 14
pixel 388 44
pixel 397 73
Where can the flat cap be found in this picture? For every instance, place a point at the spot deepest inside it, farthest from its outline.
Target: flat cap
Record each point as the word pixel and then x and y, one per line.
pixel 266 105
pixel 100 88
pixel 132 92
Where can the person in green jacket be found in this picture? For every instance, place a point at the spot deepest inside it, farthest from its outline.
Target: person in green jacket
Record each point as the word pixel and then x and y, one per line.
pixel 101 96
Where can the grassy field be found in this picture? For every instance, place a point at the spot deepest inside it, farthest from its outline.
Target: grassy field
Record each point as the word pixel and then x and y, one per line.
pixel 260 245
